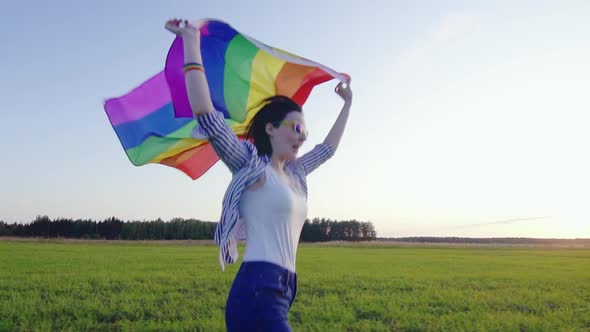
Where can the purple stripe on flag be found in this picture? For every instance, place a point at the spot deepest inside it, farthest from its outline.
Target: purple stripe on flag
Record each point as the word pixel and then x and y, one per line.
pixel 140 102
pixel 175 78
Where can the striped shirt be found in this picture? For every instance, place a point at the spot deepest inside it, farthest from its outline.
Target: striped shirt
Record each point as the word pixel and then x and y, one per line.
pixel 241 157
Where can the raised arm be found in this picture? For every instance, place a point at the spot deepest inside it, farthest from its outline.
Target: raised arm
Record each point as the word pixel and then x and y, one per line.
pixel 224 141
pixel 196 83
pixel 335 134
pixel 322 152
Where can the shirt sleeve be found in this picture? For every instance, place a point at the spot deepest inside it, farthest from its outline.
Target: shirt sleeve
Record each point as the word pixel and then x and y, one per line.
pixel 225 143
pixel 314 158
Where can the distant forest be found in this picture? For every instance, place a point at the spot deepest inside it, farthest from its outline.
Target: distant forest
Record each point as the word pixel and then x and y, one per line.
pixel 493 240
pixel 316 230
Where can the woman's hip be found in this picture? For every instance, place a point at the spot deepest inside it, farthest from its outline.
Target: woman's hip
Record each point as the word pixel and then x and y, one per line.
pixel 261 292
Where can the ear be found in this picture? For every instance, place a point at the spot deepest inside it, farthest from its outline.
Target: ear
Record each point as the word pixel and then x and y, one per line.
pixel 269 128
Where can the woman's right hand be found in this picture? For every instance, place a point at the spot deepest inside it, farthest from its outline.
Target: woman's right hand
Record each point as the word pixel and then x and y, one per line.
pixel 181 28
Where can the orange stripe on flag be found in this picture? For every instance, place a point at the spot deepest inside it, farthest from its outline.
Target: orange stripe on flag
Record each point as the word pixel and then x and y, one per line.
pixel 312 79
pixel 290 78
pixel 194 162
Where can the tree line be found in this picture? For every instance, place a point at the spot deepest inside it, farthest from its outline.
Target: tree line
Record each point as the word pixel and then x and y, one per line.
pixel 491 240
pixel 316 230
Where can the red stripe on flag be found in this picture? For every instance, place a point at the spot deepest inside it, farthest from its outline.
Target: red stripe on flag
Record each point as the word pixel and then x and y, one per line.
pixel 312 79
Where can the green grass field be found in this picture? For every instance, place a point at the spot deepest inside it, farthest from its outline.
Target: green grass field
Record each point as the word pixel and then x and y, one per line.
pixel 171 287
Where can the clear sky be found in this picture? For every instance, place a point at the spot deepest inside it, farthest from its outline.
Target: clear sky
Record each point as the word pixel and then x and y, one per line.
pixel 470 118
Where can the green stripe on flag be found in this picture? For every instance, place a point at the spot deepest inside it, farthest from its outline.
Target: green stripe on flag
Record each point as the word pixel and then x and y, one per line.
pixel 238 70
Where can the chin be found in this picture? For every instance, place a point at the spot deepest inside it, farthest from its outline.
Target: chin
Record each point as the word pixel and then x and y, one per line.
pixel 290 156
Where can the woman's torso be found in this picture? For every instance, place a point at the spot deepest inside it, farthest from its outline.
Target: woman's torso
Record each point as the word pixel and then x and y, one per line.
pixel 274 210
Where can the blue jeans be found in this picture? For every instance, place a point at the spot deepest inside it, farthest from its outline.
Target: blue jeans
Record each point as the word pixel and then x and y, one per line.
pixel 260 298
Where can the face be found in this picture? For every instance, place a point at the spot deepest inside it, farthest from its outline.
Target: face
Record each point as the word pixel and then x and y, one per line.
pixel 287 138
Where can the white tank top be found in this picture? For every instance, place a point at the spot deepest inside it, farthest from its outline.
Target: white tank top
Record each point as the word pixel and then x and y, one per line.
pixel 274 215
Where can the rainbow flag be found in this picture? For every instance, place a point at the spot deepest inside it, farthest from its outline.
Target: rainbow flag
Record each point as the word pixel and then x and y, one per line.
pixel 154 121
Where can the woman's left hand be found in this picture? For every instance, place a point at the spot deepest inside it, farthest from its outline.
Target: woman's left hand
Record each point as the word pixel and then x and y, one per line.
pixel 344 91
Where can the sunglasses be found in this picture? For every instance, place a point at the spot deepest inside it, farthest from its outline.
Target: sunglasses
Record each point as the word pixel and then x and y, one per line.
pixel 298 127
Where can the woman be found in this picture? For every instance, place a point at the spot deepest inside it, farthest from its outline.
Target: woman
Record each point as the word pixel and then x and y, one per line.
pixel 267 197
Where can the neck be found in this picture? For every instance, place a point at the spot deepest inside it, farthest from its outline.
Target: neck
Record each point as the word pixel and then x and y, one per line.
pixel 276 162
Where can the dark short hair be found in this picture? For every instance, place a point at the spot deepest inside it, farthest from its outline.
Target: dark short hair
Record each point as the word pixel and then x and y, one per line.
pixel 274 111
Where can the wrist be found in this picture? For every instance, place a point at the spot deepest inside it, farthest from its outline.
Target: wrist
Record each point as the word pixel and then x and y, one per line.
pixel 191 37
